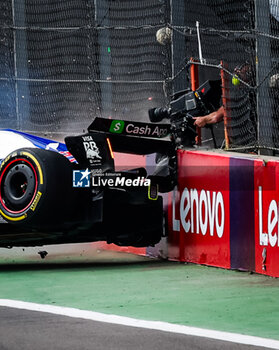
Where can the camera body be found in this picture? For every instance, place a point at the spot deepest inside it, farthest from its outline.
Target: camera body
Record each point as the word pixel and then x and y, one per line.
pixel 185 105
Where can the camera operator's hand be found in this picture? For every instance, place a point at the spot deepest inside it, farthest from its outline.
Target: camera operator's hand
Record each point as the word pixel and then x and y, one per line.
pixel 212 118
pixel 202 121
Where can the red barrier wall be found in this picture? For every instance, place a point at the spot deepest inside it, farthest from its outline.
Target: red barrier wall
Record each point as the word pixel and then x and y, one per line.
pixel 225 211
pixel 266 218
pixel 200 224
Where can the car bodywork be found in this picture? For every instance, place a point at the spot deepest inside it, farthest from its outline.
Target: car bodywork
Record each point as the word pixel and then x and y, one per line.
pixel 42 202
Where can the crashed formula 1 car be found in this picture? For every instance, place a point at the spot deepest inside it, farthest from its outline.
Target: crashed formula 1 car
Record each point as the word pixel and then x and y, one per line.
pixel 52 193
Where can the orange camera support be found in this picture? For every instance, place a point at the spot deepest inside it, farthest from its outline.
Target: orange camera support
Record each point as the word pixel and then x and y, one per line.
pixel 225 100
pixel 194 75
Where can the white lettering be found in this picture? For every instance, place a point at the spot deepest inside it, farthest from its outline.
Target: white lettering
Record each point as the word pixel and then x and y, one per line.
pixel 86 145
pixel 95 181
pixel 129 128
pixel 185 210
pixel 147 182
pixel 175 222
pixel 119 181
pixel 87 138
pixel 272 222
pixel 219 227
pixel 156 131
pixel 117 126
pixel 203 211
pixel 146 130
pixel 263 236
pixel 211 211
pixel 194 198
pixel 203 202
pixel 143 130
pixel 110 182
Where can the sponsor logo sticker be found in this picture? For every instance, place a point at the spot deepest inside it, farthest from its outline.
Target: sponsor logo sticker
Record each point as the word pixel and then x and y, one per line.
pixel 115 180
pixel 86 178
pixel 36 201
pixel 81 178
pixel 117 126
pixel 91 150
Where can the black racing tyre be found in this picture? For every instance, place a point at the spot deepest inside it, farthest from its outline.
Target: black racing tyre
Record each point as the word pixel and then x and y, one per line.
pixel 35 188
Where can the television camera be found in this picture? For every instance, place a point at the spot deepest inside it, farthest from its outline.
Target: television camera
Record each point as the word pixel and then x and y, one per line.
pixel 164 138
pixel 185 105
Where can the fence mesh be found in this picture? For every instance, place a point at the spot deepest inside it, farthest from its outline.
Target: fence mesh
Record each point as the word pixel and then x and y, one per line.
pixel 241 37
pixel 64 62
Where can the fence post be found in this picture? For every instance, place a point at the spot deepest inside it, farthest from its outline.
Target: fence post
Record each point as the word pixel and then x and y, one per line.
pixel 225 99
pixel 194 76
pixel 263 67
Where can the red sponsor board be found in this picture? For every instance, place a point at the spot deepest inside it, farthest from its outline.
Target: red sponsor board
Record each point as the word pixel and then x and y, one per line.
pixel 224 211
pixel 200 215
pixel 266 217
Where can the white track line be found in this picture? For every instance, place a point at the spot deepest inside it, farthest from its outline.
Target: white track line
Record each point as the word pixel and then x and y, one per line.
pixel 133 322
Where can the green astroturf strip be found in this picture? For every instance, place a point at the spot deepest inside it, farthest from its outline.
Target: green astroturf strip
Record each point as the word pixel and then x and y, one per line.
pixel 183 294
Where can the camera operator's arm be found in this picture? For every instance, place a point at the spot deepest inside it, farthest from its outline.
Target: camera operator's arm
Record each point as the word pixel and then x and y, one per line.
pixel 212 118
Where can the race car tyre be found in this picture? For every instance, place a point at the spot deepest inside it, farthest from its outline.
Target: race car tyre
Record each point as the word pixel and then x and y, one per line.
pixel 35 187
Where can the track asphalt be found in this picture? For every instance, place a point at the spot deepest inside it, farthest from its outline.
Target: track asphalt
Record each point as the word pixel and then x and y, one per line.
pixel 184 294
pixel 22 329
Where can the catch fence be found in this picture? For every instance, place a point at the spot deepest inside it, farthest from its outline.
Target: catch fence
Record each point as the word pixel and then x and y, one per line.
pixel 64 62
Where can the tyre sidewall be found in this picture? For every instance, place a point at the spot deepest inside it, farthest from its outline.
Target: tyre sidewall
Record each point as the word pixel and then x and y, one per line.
pixel 53 182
